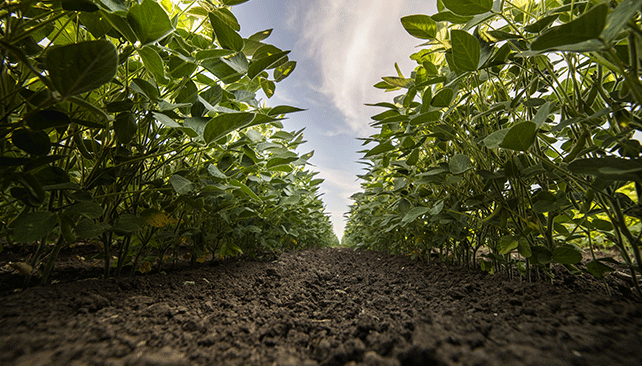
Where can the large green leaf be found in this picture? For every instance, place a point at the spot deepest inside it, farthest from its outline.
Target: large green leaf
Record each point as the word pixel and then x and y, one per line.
pixel 443 98
pixel 495 139
pixel 81 67
pixel 280 161
pixel 507 244
pixel 459 164
pixel 245 189
pixel 228 70
pixel 567 36
pixel 181 185
pixel 618 19
pixel 223 124
pixel 216 172
pixel 90 210
pixel 567 254
pixel 125 127
pixel 149 21
pixel 468 7
pixel 415 213
pixel 520 137
pixel 466 50
pixel 34 226
pixel 610 168
pixel 420 26
pixel 32 142
pixel 598 269
pixel 380 149
pixel 227 37
pixel 47 118
pixel 283 71
pixel 448 16
pixel 257 66
pixel 154 64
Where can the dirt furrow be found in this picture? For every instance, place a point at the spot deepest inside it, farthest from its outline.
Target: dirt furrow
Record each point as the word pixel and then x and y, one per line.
pixel 320 307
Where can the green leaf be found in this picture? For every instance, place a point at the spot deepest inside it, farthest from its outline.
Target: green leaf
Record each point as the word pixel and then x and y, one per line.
pixel 520 137
pixel 443 98
pixel 414 214
pixel 459 164
pixel 257 66
pixel 468 7
pixel 245 189
pixel 181 185
pixel 450 17
pixel 47 118
pixel 153 63
pixel 280 161
pixel 585 28
pixel 259 36
pixel 88 229
pixel 413 157
pixel 223 124
pixel 128 223
pixel 619 18
pixel 227 37
pixel 33 226
pixel 284 71
pixel 81 67
pixel 215 172
pixel 228 70
pixel 541 24
pixel 96 23
pixel 283 109
pixel 420 26
pixel 436 209
pixel 32 142
pixel 149 21
pixel 164 119
pixel 495 139
pixel 602 225
pixel 79 5
pixel 567 254
pixel 90 210
pixel 507 244
pixel 125 127
pixel 610 168
pixel 399 81
pixel 234 2
pixel 542 114
pixel 524 248
pixel 598 269
pixel 380 149
pixel 268 87
pixel 466 50
pixel 145 88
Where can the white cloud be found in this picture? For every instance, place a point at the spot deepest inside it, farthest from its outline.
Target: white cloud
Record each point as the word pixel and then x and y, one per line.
pixel 338 186
pixel 355 43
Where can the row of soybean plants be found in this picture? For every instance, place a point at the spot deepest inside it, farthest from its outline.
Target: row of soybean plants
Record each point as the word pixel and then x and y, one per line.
pixel 512 143
pixel 136 125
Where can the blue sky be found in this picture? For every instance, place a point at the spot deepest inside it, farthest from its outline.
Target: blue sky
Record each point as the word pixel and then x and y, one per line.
pixel 342 48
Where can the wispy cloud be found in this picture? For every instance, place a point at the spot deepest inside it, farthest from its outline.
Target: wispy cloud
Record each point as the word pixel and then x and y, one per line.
pixel 355 43
pixel 339 185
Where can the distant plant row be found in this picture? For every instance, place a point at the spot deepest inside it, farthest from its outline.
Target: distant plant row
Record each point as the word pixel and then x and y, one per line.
pixel 135 125
pixel 512 145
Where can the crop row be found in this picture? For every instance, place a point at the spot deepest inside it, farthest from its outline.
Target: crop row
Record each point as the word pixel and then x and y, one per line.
pixel 136 125
pixel 512 143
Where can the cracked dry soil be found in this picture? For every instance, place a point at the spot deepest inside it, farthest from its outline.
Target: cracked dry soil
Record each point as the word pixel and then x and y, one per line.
pixel 320 307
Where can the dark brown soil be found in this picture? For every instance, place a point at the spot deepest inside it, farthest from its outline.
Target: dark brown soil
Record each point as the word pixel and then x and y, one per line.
pixel 320 307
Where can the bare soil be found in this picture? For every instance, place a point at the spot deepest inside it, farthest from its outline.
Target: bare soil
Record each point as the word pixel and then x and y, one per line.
pixel 319 307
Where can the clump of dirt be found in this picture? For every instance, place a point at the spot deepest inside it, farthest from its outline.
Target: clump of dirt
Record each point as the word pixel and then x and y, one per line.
pixel 320 307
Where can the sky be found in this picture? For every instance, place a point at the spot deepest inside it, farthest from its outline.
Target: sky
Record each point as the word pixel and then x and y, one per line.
pixel 342 48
